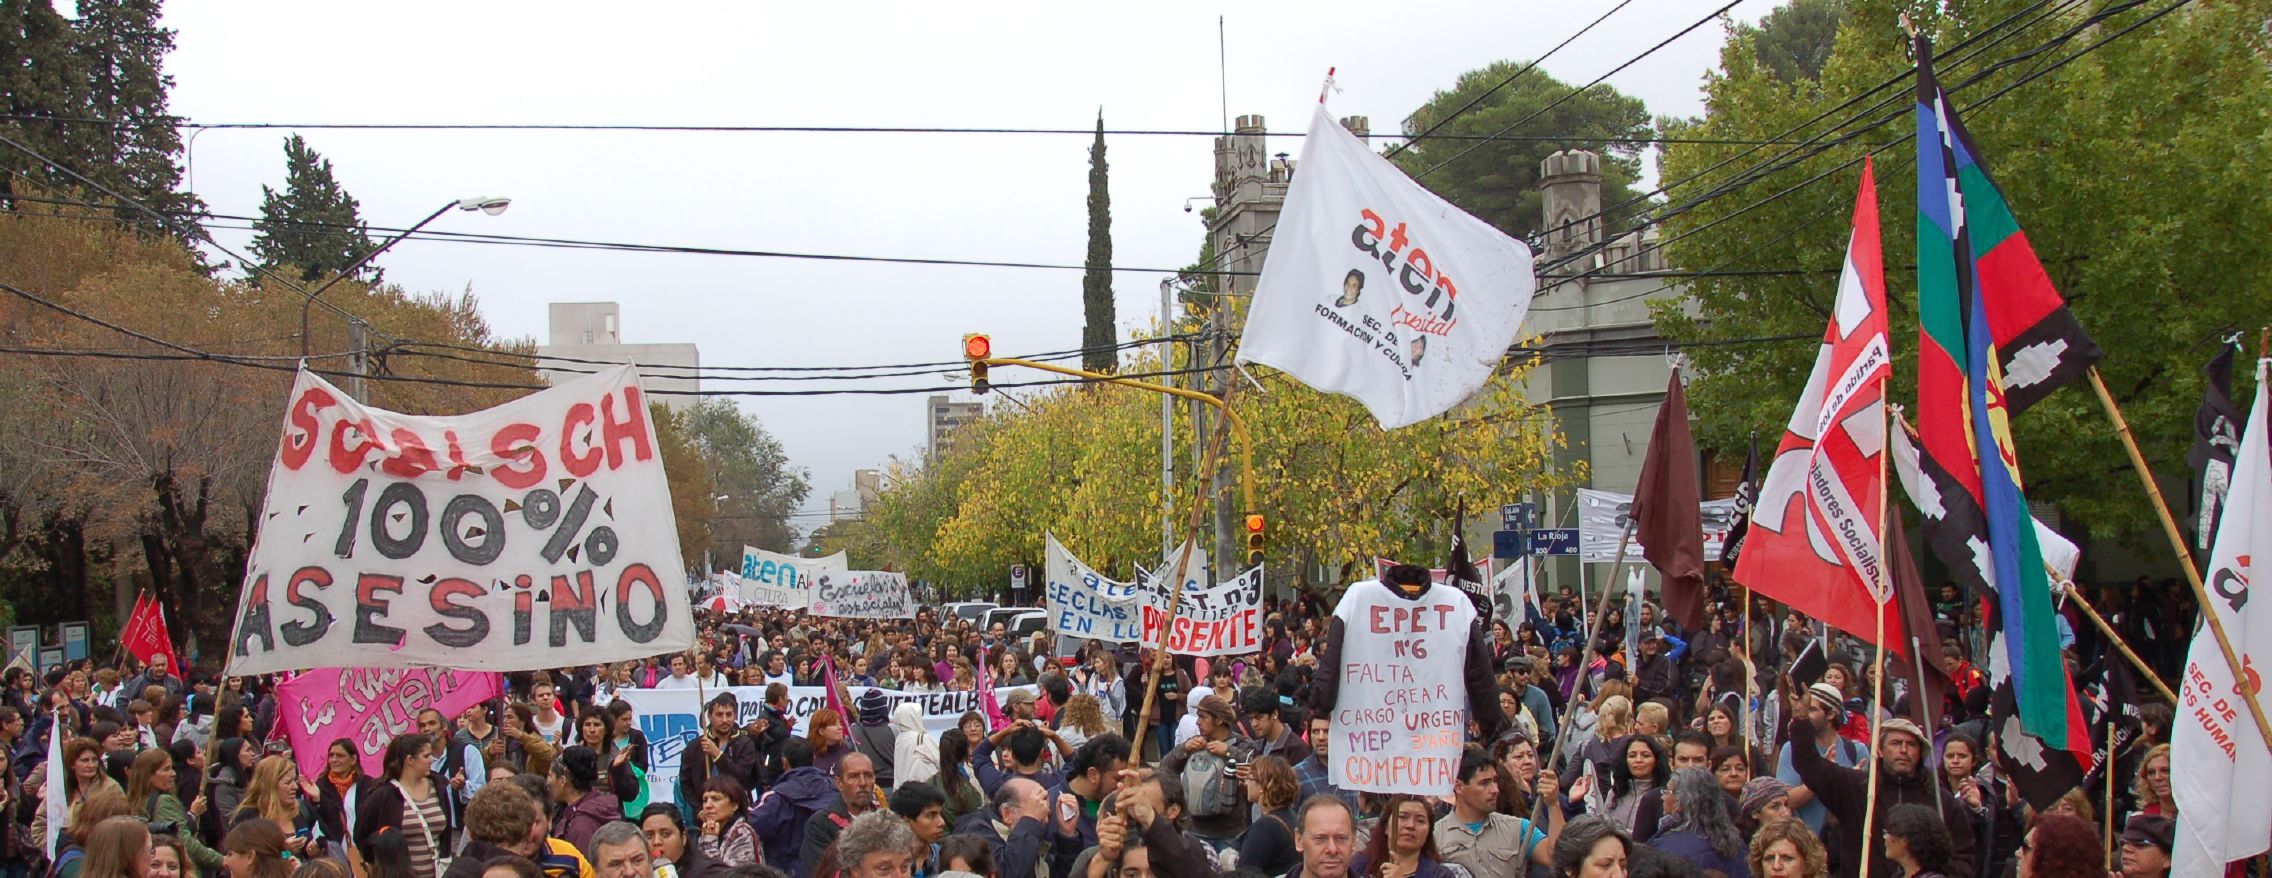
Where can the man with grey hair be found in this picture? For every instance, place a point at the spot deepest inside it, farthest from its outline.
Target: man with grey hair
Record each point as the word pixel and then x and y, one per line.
pixel 878 844
pixel 619 850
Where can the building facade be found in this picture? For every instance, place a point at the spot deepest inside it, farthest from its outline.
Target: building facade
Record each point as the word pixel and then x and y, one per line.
pixel 583 334
pixel 943 416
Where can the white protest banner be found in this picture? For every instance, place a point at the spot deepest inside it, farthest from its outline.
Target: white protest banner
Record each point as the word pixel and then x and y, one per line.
pixel 861 594
pixel 1378 289
pixel 370 706
pixel 671 718
pixel 1224 619
pixel 784 581
pixel 2215 760
pixel 1601 522
pixel 1084 604
pixel 1400 714
pixel 537 534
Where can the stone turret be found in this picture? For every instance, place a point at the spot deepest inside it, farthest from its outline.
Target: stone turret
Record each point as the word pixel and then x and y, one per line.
pixel 1569 184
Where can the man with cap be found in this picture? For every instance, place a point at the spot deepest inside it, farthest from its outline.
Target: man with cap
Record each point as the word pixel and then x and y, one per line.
pixel 1902 779
pixel 1654 674
pixel 1825 708
pixel 2146 841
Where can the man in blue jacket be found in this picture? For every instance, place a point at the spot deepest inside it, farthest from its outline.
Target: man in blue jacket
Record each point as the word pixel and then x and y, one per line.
pixel 795 797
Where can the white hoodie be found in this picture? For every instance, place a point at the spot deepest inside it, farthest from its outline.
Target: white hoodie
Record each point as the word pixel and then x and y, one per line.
pixel 915 753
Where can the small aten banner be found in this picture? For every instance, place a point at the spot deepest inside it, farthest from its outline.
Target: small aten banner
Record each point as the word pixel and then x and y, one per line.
pixel 537 534
pixel 862 594
pixel 784 581
pixel 671 718
pixel 370 706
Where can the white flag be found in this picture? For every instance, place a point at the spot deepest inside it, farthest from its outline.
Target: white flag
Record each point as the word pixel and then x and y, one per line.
pixel 2219 768
pixel 1376 288
pixel 58 809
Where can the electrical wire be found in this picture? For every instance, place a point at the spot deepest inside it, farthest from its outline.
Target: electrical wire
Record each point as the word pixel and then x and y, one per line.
pixel 188 124
pixel 1510 80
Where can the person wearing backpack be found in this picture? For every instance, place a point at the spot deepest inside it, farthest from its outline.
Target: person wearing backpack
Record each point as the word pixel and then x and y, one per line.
pixel 1208 765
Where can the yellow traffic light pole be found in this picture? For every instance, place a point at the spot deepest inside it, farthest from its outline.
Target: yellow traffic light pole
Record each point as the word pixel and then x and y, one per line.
pixel 1238 427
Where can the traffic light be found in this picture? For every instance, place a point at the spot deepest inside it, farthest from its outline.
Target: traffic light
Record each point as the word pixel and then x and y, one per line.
pixel 1254 538
pixel 977 347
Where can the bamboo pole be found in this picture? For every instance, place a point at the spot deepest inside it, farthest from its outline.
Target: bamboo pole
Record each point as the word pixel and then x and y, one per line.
pixel 1162 662
pixel 1884 596
pixel 2111 840
pixel 1601 608
pixel 2249 695
pixel 2090 612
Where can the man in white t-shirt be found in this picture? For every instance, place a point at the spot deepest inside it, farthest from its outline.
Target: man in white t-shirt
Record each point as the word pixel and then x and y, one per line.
pixel 679 677
pixel 551 724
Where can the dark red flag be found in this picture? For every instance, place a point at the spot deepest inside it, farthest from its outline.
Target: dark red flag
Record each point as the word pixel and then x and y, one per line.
pixel 1667 518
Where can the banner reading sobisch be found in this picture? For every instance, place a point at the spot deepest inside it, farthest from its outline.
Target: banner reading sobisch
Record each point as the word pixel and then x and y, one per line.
pixel 671 718
pixel 1084 604
pixel 784 581
pixel 369 707
pixel 537 534
pixel 861 594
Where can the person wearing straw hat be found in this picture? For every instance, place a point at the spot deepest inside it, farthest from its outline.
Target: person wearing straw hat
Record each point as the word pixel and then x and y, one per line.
pixel 1902 779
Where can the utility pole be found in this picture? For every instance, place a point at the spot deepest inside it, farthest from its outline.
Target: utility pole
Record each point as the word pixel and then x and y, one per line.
pixel 358 358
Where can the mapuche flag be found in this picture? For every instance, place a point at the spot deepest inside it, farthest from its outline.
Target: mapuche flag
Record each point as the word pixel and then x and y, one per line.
pixel 1994 337
pixel 1814 541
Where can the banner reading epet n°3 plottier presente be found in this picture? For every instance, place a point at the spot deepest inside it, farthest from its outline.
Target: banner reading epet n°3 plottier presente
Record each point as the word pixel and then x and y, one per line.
pixel 537 534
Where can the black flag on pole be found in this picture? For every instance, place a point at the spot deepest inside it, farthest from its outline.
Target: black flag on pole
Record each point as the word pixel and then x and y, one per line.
pixel 1747 491
pixel 2216 439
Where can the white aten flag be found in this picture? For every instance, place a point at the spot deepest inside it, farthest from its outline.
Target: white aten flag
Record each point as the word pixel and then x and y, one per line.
pixel 2219 768
pixel 1377 289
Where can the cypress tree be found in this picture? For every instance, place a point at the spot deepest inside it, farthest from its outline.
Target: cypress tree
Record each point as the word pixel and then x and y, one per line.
pixel 120 53
pixel 1096 283
pixel 313 225
pixel 38 79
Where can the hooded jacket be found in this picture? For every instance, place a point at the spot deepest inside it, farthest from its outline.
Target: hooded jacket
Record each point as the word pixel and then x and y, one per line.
pixel 1845 793
pixel 781 815
pixel 915 753
pixel 577 822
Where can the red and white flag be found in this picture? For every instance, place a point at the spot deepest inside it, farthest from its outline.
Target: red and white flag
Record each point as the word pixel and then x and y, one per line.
pixel 145 634
pixel 2219 768
pixel 1814 541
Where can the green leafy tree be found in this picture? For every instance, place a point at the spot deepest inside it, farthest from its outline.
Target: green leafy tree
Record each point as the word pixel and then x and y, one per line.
pixel 747 466
pixel 1498 179
pixel 2131 169
pixel 1794 41
pixel 313 225
pixel 120 52
pixel 40 83
pixel 1097 333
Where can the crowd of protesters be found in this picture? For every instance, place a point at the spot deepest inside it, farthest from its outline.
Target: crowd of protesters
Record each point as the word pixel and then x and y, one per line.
pixel 1616 747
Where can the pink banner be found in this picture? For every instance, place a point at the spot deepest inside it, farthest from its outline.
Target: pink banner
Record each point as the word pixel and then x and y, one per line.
pixel 370 706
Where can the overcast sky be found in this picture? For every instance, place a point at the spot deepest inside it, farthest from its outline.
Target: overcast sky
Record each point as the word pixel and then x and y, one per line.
pixel 992 197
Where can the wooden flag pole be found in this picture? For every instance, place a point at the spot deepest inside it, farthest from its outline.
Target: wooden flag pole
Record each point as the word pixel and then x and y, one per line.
pixel 2184 558
pixel 1162 662
pixel 1884 596
pixel 2076 595
pixel 1924 705
pixel 1750 679
pixel 2111 839
pixel 1601 609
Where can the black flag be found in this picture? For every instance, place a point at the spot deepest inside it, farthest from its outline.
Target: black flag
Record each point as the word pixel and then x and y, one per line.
pixel 2216 439
pixel 1747 491
pixel 1461 569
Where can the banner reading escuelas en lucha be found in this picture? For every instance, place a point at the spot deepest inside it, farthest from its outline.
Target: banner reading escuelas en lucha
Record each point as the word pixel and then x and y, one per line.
pixel 531 535
pixel 671 718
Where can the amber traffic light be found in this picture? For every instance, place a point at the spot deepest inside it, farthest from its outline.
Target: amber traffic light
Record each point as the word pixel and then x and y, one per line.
pixel 1254 538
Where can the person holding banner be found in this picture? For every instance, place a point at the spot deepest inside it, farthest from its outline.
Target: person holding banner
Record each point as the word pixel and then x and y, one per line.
pixel 722 750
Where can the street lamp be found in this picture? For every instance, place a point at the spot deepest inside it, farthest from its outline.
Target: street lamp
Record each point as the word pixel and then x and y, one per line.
pixel 490 205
